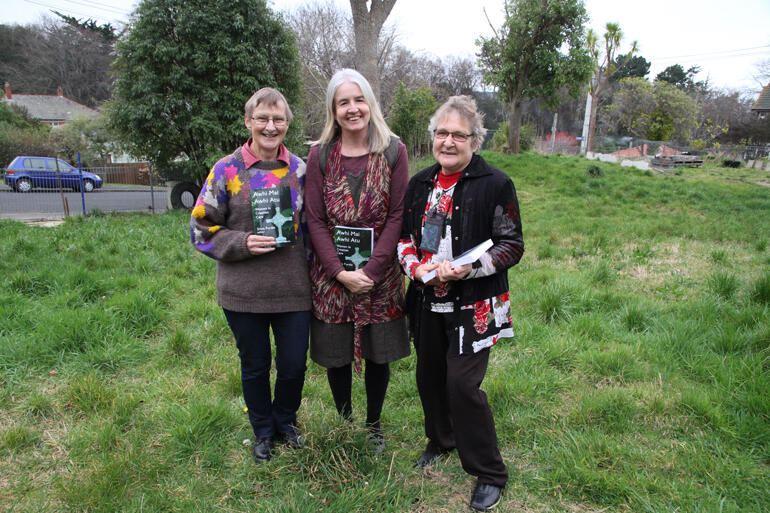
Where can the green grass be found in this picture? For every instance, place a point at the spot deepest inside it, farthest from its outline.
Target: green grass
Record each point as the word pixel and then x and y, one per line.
pixel 638 381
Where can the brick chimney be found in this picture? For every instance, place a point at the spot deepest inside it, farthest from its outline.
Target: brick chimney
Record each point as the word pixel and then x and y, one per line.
pixel 8 94
pixel 59 92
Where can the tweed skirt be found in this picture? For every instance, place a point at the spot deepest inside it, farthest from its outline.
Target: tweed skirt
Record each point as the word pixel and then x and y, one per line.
pixel 331 345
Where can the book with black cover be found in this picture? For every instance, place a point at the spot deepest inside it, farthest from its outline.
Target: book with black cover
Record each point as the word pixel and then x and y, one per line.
pixel 273 214
pixel 354 246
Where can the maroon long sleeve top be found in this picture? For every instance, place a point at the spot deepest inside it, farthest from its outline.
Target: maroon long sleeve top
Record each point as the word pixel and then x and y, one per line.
pixel 385 246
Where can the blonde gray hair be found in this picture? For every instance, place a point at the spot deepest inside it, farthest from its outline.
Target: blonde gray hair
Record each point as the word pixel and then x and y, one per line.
pixel 465 106
pixel 268 96
pixel 379 133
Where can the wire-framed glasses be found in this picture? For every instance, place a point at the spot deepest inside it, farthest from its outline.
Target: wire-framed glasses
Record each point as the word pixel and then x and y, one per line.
pixel 278 121
pixel 457 136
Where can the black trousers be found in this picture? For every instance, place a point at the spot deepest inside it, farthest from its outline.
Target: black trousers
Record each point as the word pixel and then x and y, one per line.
pixel 271 415
pixel 457 413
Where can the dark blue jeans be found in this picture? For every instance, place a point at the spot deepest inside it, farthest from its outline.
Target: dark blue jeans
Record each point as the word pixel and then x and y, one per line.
pixel 268 415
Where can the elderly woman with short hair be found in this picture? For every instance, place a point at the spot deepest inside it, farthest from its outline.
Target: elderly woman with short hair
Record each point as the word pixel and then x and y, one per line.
pixel 259 284
pixel 357 177
pixel 451 207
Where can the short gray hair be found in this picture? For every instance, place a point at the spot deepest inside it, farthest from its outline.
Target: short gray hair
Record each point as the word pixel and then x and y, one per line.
pixel 465 106
pixel 268 96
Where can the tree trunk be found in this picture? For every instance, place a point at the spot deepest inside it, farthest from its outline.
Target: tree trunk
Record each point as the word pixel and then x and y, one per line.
pixel 514 126
pixel 367 24
pixel 592 123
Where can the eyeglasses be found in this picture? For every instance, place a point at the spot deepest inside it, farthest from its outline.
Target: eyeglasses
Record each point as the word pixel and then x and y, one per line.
pixel 278 121
pixel 457 136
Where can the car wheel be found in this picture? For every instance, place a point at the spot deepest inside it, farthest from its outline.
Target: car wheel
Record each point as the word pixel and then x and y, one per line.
pixel 23 185
pixel 88 185
pixel 183 195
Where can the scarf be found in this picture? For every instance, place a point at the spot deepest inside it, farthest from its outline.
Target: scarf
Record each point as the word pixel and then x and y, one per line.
pixel 332 302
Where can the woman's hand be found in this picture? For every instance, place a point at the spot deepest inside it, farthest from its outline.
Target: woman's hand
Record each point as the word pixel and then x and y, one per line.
pixel 356 281
pixel 260 244
pixel 425 268
pixel 446 273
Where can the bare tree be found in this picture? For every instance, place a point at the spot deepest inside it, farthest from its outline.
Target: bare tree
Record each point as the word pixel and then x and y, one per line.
pixel 462 75
pixel 42 57
pixel 367 24
pixel 326 41
pixel 324 36
pixel 762 73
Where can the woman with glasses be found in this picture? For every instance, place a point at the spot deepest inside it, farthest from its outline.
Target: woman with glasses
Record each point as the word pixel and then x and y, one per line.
pixel 249 217
pixel 357 177
pixel 451 207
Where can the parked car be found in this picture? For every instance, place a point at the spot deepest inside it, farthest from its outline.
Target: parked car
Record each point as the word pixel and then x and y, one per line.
pixel 25 173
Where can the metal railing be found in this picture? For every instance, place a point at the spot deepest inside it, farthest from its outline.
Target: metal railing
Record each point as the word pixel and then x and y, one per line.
pixel 115 188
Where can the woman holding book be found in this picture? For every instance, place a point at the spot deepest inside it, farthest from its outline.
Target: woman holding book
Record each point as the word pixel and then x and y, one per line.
pixel 458 204
pixel 357 176
pixel 248 217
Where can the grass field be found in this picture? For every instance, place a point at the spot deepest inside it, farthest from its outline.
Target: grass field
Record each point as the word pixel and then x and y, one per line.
pixel 639 379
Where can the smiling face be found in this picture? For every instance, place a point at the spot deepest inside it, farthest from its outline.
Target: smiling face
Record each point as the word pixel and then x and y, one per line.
pixel 350 108
pixel 453 156
pixel 267 138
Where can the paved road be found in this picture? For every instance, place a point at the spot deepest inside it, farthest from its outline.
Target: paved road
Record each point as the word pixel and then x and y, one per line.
pixel 108 199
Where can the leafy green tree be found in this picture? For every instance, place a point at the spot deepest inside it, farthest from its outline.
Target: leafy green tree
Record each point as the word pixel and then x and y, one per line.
pixel 630 66
pixel 657 111
pixel 605 67
pixel 674 75
pixel 86 136
pixel 683 80
pixel 539 50
pixel 526 137
pixel 22 135
pixel 107 31
pixel 409 118
pixel 184 71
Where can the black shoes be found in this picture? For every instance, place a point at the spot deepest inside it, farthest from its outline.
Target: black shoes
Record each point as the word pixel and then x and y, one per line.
pixel 485 497
pixel 376 439
pixel 292 439
pixel 263 448
pixel 262 451
pixel 430 454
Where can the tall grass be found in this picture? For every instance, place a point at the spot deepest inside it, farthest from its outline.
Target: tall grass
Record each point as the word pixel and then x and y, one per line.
pixel 638 379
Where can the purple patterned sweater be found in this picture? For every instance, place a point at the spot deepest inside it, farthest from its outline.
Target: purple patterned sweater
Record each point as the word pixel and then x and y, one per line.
pixel 222 219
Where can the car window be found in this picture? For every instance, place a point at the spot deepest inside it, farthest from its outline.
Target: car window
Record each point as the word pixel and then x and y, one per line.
pixel 63 166
pixel 34 164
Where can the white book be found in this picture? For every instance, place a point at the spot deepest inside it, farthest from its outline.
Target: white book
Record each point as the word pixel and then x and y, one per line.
pixel 468 257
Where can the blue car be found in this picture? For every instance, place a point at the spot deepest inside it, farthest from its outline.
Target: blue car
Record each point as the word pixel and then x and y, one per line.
pixel 25 173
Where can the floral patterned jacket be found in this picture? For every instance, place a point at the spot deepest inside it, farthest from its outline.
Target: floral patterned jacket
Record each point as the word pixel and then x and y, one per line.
pixel 484 206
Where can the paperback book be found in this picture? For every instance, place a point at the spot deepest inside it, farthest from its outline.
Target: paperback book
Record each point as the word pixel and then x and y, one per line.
pixel 468 257
pixel 273 214
pixel 354 246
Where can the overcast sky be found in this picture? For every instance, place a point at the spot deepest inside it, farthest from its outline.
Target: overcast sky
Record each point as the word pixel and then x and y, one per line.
pixel 725 38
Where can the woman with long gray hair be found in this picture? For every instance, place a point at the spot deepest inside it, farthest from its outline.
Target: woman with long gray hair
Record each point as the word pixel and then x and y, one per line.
pixel 357 176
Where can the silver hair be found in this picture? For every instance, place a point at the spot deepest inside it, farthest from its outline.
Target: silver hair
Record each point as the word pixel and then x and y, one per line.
pixel 465 106
pixel 268 96
pixel 379 133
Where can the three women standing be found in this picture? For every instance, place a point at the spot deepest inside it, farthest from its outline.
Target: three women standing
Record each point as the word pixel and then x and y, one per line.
pixel 357 177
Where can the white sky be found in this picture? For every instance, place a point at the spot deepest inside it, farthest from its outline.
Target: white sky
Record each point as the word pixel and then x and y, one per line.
pixel 725 38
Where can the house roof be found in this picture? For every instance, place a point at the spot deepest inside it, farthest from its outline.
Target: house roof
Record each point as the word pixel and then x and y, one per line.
pixel 763 102
pixel 51 107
